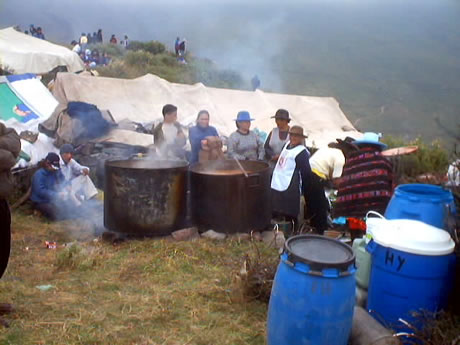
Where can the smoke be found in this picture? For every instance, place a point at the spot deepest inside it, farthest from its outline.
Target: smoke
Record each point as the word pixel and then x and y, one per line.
pixel 401 55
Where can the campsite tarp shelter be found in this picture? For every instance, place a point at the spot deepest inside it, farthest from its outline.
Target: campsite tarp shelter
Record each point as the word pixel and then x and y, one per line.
pixel 141 100
pixel 21 53
pixel 24 103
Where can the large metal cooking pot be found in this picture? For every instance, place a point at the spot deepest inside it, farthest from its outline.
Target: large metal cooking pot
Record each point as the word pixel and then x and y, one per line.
pixel 225 200
pixel 145 198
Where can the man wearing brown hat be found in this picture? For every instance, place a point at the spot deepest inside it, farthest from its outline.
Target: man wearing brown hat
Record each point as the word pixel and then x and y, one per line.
pixel 291 176
pixel 277 137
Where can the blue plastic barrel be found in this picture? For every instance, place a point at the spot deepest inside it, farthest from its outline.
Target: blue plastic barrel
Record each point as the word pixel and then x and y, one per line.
pixel 412 270
pixel 313 293
pixel 424 202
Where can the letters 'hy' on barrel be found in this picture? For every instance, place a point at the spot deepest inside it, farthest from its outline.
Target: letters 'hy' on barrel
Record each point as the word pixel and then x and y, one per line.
pixel 412 270
pixel 313 294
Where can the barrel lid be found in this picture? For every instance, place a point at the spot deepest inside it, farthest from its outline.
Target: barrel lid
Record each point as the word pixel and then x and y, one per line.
pixel 425 192
pixel 413 236
pixel 319 252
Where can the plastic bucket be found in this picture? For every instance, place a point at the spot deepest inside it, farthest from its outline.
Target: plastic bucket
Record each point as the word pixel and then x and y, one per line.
pixel 363 263
pixel 313 293
pixel 427 203
pixel 412 269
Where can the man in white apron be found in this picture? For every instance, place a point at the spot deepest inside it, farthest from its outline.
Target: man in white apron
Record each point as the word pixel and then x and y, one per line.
pixel 290 176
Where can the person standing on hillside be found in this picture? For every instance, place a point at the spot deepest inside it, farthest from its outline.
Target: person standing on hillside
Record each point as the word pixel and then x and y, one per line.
pixel 83 41
pixel 99 36
pixel 39 33
pixel 255 82
pixel 10 147
pixel 176 46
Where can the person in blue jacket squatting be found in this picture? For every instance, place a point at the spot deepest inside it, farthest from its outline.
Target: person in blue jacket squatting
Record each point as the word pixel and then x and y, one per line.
pixel 49 194
pixel 199 133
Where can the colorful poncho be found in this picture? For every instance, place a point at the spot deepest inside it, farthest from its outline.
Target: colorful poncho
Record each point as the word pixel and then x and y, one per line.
pixel 365 185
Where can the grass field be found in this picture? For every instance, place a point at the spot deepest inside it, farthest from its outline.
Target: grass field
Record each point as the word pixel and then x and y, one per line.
pixel 140 292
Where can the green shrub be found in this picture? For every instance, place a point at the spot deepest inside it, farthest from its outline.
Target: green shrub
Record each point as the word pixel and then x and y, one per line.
pixel 113 50
pixel 74 256
pixel 140 59
pixel 429 158
pixel 153 47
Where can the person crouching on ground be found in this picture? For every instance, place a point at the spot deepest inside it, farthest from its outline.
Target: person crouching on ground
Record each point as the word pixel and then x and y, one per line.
pixel 291 176
pixel 76 175
pixel 244 144
pixel 49 194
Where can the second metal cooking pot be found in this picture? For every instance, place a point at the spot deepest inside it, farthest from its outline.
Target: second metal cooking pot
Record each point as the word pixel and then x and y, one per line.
pixel 225 200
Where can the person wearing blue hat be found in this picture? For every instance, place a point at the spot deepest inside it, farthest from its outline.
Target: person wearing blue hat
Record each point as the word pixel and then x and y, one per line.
pixel 367 179
pixel 244 144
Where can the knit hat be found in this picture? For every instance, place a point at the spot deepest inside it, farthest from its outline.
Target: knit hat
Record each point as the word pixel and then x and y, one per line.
pixel 66 148
pixel 53 159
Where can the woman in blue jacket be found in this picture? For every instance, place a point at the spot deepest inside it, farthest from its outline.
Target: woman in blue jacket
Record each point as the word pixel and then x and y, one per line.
pixel 200 132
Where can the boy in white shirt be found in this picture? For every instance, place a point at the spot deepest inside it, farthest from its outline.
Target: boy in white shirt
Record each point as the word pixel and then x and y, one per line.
pixel 76 175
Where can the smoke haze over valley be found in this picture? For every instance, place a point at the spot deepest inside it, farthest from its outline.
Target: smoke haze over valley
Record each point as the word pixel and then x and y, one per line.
pixel 394 66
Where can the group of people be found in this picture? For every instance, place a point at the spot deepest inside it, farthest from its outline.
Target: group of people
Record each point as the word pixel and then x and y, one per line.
pixel 61 186
pixel 91 57
pixel 356 168
pixel 86 39
pixel 124 42
pixel 33 31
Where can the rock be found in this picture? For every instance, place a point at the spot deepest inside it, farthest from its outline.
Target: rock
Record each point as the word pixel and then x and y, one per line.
pixel 366 330
pixel 255 235
pixel 240 236
pixel 361 297
pixel 213 235
pixel 186 234
pixel 6 308
pixel 273 238
pixel 111 237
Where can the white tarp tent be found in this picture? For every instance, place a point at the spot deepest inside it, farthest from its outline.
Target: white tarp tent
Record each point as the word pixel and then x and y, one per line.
pixel 142 99
pixel 21 53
